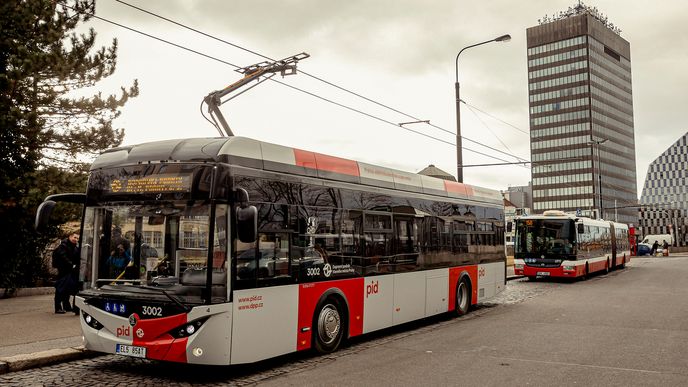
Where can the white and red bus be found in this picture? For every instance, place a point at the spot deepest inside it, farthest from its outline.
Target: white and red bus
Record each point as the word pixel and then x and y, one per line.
pixel 232 250
pixel 557 244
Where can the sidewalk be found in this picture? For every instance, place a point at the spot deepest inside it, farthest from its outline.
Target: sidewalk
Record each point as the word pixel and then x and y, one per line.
pixel 33 336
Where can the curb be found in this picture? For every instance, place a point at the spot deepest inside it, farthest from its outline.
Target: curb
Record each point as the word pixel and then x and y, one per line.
pixel 514 277
pixel 39 359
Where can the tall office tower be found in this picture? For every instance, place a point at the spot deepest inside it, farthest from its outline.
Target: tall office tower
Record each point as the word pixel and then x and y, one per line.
pixel 581 115
pixel 665 194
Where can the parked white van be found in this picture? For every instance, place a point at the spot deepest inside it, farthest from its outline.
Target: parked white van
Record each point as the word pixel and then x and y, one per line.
pixel 660 238
pixel 649 240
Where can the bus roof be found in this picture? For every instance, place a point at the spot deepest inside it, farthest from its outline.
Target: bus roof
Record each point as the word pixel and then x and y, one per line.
pixel 271 157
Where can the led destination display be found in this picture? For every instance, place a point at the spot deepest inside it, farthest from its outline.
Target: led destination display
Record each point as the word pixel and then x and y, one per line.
pixel 151 184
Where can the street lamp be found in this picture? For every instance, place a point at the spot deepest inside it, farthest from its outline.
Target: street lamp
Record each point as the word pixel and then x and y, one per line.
pixel 459 155
pixel 596 144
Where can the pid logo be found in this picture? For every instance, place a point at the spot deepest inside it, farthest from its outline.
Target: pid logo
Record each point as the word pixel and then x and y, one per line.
pixel 481 272
pixel 123 331
pixel 372 288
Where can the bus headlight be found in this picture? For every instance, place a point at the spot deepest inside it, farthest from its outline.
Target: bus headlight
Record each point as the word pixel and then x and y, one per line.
pixel 518 266
pixel 92 322
pixel 569 268
pixel 187 329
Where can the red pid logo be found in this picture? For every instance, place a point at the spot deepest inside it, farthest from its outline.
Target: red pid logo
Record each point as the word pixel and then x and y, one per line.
pixel 372 288
pixel 481 272
pixel 123 331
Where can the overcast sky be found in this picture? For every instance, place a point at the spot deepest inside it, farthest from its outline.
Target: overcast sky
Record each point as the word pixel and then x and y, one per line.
pixel 397 52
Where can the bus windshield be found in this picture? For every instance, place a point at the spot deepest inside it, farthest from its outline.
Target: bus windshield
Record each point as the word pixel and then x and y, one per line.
pixel 544 237
pixel 160 246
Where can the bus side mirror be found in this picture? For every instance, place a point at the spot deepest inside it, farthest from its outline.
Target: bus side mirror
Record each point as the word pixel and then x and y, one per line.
pixel 43 214
pixel 247 223
pixel 46 208
pixel 581 228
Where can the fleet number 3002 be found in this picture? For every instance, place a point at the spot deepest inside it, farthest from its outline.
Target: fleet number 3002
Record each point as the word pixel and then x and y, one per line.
pixel 152 311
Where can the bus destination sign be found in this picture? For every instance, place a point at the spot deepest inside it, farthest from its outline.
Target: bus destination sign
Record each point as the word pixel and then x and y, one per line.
pixel 151 184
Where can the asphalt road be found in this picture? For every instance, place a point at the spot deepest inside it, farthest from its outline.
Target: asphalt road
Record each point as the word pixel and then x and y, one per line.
pixel 629 327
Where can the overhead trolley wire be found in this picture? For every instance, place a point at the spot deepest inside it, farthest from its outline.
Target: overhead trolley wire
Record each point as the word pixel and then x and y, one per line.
pixel 330 84
pixel 274 80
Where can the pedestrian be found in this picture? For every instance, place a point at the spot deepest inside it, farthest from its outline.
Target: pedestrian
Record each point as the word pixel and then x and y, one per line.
pixel 655 246
pixel 64 259
pixel 118 260
pixel 665 247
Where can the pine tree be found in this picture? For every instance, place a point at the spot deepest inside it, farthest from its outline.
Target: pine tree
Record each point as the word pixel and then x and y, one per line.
pixel 47 135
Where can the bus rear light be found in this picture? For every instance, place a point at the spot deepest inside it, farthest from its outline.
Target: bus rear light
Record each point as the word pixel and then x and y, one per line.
pixel 92 322
pixel 187 329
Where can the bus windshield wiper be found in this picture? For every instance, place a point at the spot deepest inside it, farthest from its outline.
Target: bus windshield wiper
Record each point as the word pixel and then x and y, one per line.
pixel 186 308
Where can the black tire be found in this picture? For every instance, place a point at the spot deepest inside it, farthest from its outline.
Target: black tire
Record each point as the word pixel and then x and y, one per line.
pixel 463 297
pixel 532 278
pixel 329 324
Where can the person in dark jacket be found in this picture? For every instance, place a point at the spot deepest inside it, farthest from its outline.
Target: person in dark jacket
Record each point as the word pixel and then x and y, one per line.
pixel 65 258
pixel 655 246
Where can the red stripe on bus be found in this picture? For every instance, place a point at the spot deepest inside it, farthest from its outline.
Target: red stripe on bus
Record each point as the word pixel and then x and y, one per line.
pixel 460 188
pixel 326 163
pixel 310 294
pixel 454 275
pixel 160 345
pixel 452 186
pixel 335 164
pixel 305 159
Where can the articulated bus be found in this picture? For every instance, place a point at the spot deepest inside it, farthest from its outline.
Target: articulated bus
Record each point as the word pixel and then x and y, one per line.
pixel 231 250
pixel 557 244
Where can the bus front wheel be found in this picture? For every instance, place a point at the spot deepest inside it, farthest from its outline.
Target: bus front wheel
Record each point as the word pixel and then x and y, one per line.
pixel 328 326
pixel 463 297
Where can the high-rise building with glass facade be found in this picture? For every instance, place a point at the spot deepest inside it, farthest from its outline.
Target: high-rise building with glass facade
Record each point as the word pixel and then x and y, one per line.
pixel 664 200
pixel 581 115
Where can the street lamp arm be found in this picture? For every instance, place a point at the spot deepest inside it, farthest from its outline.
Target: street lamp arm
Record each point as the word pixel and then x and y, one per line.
pixel 503 38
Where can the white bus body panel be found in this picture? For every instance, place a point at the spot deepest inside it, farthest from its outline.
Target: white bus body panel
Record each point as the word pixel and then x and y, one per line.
pixel 409 297
pixel 490 280
pixel 265 323
pixel 213 337
pixel 378 302
pixel 437 292
pixel 106 338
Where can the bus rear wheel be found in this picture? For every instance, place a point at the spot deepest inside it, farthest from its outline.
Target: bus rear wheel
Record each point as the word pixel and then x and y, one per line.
pixel 463 297
pixel 328 326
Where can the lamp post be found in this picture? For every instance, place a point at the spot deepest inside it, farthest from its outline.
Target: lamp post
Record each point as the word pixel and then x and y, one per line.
pixel 596 144
pixel 459 155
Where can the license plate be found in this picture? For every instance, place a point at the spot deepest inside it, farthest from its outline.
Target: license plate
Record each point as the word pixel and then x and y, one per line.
pixel 543 273
pixel 130 350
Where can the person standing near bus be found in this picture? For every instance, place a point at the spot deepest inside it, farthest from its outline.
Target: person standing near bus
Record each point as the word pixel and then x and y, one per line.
pixel 665 248
pixel 64 259
pixel 655 246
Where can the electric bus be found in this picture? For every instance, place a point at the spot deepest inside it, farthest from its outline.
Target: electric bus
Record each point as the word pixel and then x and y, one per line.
pixel 557 244
pixel 231 250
